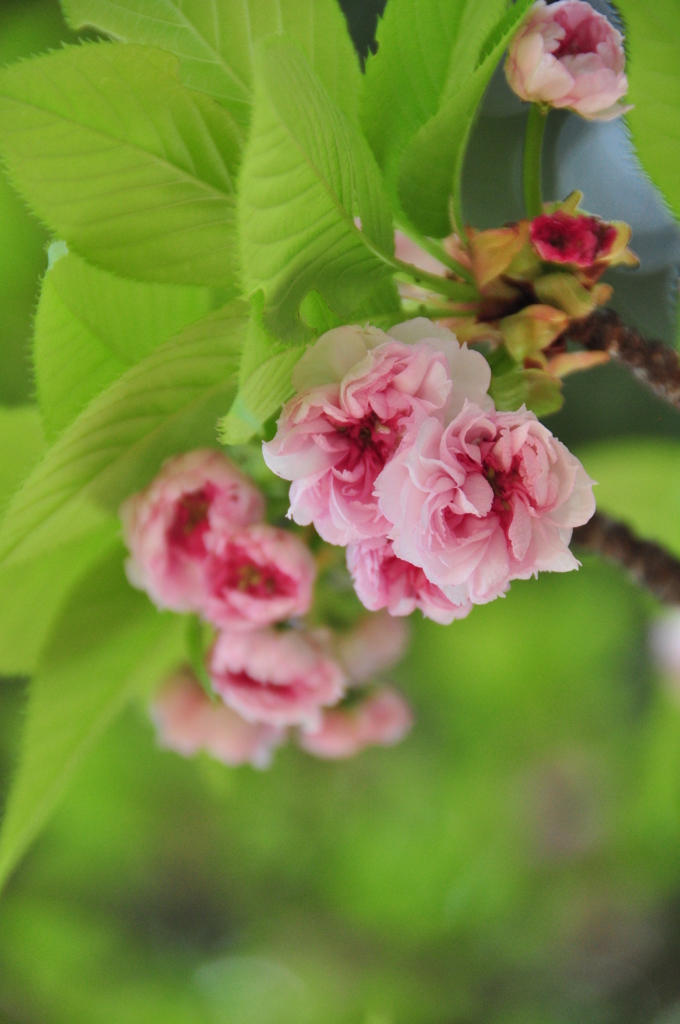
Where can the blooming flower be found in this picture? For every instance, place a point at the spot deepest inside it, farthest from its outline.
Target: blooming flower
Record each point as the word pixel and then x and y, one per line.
pixel 382 718
pixel 382 580
pixel 358 393
pixel 187 721
pixel 276 677
pixel 257 576
pixel 168 527
pixel 562 238
pixel 375 644
pixel 568 55
pixel 490 498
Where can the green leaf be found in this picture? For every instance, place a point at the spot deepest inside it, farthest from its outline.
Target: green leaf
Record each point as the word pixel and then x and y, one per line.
pixel 215 40
pixel 538 390
pixel 260 397
pixel 422 50
pixel 653 68
pixel 109 646
pixel 307 173
pixel 33 592
pixel 91 326
pixel 22 442
pixel 168 403
pixel 432 165
pixel 117 157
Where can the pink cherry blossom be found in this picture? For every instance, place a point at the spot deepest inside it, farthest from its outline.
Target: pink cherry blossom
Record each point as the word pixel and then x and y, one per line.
pixel 187 721
pixel 561 238
pixel 257 576
pixel 382 580
pixel 375 644
pixel 382 718
pixel 566 54
pixel 276 677
pixel 168 527
pixel 491 498
pixel 334 438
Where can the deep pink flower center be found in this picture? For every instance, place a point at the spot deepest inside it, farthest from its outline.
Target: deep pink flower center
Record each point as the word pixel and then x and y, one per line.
pixel 582 38
pixel 370 440
pixel 190 523
pixel 285 691
pixel 561 238
pixel 240 572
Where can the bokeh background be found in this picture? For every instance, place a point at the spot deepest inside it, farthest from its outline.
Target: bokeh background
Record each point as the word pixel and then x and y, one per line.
pixel 515 861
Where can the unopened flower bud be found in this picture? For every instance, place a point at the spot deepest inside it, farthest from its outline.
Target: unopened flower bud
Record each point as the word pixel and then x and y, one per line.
pixel 382 719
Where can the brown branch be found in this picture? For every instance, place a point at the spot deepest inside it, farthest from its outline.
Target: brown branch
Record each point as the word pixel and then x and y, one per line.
pixel 649 564
pixel 655 364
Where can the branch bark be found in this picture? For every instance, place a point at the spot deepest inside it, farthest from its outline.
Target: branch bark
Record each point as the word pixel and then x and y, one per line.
pixel 650 565
pixel 657 365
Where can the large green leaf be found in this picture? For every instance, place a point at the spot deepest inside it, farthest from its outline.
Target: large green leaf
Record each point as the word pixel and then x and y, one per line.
pixel 307 174
pixel 419 48
pixel 653 43
pixel 117 157
pixel 22 442
pixel 167 403
pixel 90 326
pixel 109 645
pixel 214 40
pixel 432 164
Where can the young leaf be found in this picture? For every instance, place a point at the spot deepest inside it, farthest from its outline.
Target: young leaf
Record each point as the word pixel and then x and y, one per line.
pixel 33 592
pixel 117 157
pixel 22 442
pixel 167 403
pixel 109 645
pixel 215 41
pixel 307 173
pixel 432 164
pixel 260 397
pixel 653 43
pixel 91 326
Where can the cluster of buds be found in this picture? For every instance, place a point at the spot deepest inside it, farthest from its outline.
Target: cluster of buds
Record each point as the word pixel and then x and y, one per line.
pixel 198 543
pixel 536 276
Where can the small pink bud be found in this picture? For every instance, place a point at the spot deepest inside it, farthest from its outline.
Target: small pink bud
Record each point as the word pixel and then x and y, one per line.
pixel 568 55
pixel 257 576
pixel 561 238
pixel 382 580
pixel 168 526
pixel 187 722
pixel 276 677
pixel 382 719
pixel 375 644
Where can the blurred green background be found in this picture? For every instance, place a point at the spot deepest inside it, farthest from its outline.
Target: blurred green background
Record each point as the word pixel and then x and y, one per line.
pixel 515 861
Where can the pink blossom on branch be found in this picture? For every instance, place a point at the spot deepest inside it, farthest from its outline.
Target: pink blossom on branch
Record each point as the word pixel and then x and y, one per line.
pixel 566 54
pixel 382 718
pixel 257 576
pixel 491 498
pixel 169 526
pixel 562 238
pixel 376 643
pixel 359 391
pixel 277 677
pixel 187 721
pixel 382 580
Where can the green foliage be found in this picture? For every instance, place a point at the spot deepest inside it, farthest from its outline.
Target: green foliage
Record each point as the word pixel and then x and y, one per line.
pixel 432 165
pixel 653 44
pixel 215 41
pixel 109 645
pixel 167 403
pixel 307 173
pixel 91 326
pixel 22 442
pixel 135 172
pixel 539 391
pixel 421 92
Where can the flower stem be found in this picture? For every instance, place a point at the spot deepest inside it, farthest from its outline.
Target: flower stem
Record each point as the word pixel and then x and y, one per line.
pixel 531 167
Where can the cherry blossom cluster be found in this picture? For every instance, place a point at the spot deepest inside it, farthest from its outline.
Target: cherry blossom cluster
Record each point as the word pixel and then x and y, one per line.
pixel 199 544
pixel 394 449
